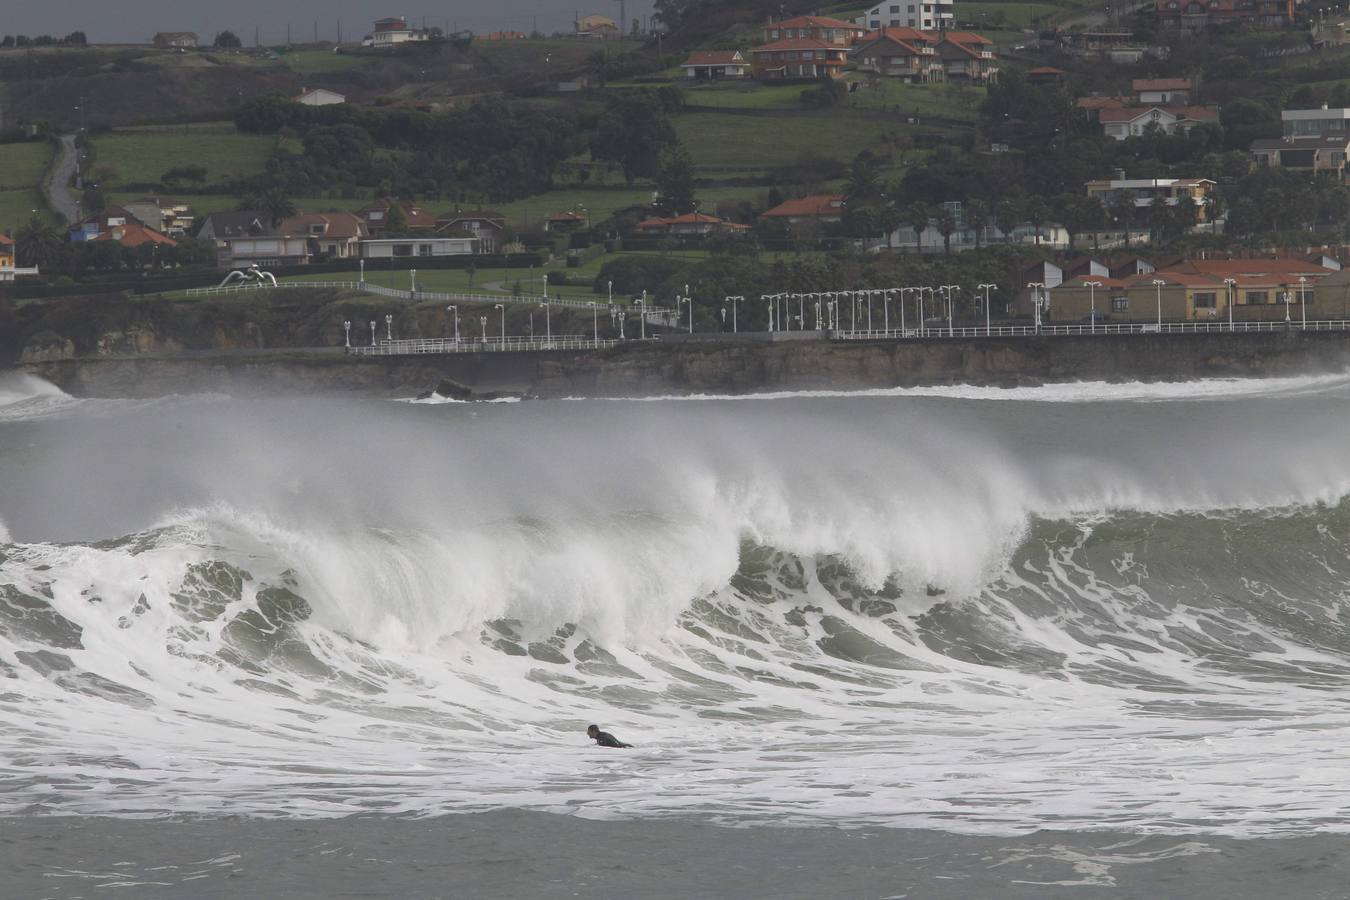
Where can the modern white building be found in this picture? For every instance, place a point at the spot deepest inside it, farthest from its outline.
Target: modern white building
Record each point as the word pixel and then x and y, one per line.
pixel 1312 123
pixel 405 248
pixel 922 14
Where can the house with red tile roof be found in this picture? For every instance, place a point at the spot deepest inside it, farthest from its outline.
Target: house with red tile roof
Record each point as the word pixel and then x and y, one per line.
pixel 804 48
pixel 336 235
pixel 134 234
pixel 697 224
pixel 921 56
pixel 1163 91
pixel 711 65
pixel 816 208
pixel 376 215
pixel 1197 15
pixel 1134 121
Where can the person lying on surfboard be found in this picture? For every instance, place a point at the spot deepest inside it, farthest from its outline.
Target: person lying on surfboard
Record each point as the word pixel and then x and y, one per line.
pixel 604 738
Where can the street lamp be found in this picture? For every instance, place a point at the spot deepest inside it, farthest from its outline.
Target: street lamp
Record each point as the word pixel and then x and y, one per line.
pixel 482 328
pixel 412 282
pixel 801 312
pixel 362 264
pixel 735 328
pixel 1158 283
pixel 642 316
pixel 818 312
pixel 690 302
pixel 548 324
pixel 609 291
pixel 1232 291
pixel 987 288
pixel 949 290
pixel 1036 287
pixel 769 300
pixel 1303 299
pixel 347 327
pixel 372 332
pixel 545 285
pixel 502 307
pixel 454 310
pixel 1092 304
pixel 389 326
pixel 1287 321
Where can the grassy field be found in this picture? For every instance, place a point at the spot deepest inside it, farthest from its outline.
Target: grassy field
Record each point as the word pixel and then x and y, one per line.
pixel 17 206
pixel 144 157
pixel 1008 15
pixel 308 62
pixel 949 101
pixel 23 165
pixel 744 95
pixel 718 139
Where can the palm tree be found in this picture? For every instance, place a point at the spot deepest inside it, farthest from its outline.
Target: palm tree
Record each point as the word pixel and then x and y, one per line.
pixel 977 216
pixel 946 224
pixel 917 217
pixel 38 244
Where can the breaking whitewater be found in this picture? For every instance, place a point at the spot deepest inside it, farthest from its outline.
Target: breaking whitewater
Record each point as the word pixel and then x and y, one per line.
pixel 1078 607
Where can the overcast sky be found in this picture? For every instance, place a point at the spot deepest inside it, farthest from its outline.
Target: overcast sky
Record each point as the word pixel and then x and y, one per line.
pixel 106 21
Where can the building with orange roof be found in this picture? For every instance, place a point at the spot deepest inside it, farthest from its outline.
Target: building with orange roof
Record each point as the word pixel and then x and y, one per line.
pixel 710 65
pixel 1163 91
pixel 804 48
pixel 1112 192
pixel 134 234
pixel 816 208
pixel 921 56
pixel 376 215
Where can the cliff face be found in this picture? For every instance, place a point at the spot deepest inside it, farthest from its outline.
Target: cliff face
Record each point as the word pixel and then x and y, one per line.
pixel 732 368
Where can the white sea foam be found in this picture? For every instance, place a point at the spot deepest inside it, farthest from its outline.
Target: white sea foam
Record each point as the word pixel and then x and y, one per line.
pixel 981 617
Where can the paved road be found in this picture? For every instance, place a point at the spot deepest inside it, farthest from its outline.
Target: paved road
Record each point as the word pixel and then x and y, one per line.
pixel 56 188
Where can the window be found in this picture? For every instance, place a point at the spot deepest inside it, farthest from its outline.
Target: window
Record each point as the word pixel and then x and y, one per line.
pixel 1120 304
pixel 1206 300
pixel 895 9
pixel 875 24
pixel 1257 298
pixel 423 249
pixel 403 250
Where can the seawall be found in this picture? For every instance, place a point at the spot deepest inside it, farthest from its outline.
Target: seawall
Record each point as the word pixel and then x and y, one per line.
pixel 731 367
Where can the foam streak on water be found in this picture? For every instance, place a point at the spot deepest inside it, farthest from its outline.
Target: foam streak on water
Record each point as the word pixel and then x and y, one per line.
pixel 943 611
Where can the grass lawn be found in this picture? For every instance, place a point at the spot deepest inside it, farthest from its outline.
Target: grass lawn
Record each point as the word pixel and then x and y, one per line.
pixel 23 165
pixel 16 207
pixel 601 202
pixel 718 139
pixel 307 62
pixel 950 101
pixel 1008 15
pixel 143 157
pixel 744 95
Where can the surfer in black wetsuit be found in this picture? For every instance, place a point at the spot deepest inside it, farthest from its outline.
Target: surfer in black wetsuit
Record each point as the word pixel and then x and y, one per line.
pixel 604 738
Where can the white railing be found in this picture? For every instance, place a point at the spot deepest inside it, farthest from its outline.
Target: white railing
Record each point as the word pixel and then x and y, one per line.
pixel 518 344
pixel 943 331
pixel 656 315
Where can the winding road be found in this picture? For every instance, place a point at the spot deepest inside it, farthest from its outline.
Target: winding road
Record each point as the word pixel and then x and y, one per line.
pixel 57 185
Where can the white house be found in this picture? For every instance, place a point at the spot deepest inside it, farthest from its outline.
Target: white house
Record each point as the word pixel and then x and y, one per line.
pixel 319 97
pixel 393 30
pixel 708 65
pixel 263 250
pixel 1135 121
pixel 924 14
pixel 404 248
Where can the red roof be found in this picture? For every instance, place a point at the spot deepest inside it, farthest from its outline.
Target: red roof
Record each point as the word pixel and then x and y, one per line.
pixel 4 239
pixel 903 33
pixel 799 44
pixel 1100 103
pixel 816 22
pixel 134 234
pixel 1129 114
pixel 1051 70
pixel 714 58
pixel 816 205
pixel 966 37
pixel 340 225
pixel 1161 84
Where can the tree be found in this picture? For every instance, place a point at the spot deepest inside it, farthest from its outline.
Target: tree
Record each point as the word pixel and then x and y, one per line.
pixel 946 225
pixel 38 244
pixel 633 131
pixel 917 216
pixel 978 217
pixel 272 202
pixel 864 178
pixel 1038 213
pixel 675 181
pixel 395 221
pixel 227 40
pixel 75 39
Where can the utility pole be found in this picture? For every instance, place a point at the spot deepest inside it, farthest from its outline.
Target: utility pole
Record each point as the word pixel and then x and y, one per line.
pixel 257 40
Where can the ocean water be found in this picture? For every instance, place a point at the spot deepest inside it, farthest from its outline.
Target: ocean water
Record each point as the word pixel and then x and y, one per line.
pixel 975 613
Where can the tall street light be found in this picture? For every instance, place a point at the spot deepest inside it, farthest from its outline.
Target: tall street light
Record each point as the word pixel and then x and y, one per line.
pixel 1036 288
pixel 1232 294
pixel 502 307
pixel 548 322
pixel 735 326
pixel 347 327
pixel 987 288
pixel 1092 304
pixel 389 326
pixel 769 300
pixel 950 290
pixel 642 316
pixel 1287 320
pixel 1158 283
pixel 454 310
pixel 690 302
pixel 372 332
pixel 886 311
pixel 1303 299
pixel 801 312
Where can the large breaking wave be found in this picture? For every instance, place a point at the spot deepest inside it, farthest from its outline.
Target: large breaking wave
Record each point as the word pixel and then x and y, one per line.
pixel 968 612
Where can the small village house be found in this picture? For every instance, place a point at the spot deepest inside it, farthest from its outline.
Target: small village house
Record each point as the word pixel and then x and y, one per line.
pixel 1322 155
pixel 1197 15
pixel 418 248
pixel 565 222
pixel 903 53
pixel 9 268
pixel 169 216
pixel 825 208
pixel 1145 191
pixel 175 40
pixel 393 30
pixel 1136 121
pixel 319 97
pixel 1163 91
pixel 713 65
pixel 805 48
pixel 488 226
pixel 377 214
pixel 335 235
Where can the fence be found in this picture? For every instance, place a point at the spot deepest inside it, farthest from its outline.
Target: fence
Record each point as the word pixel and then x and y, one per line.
pixel 1066 330
pixel 518 344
